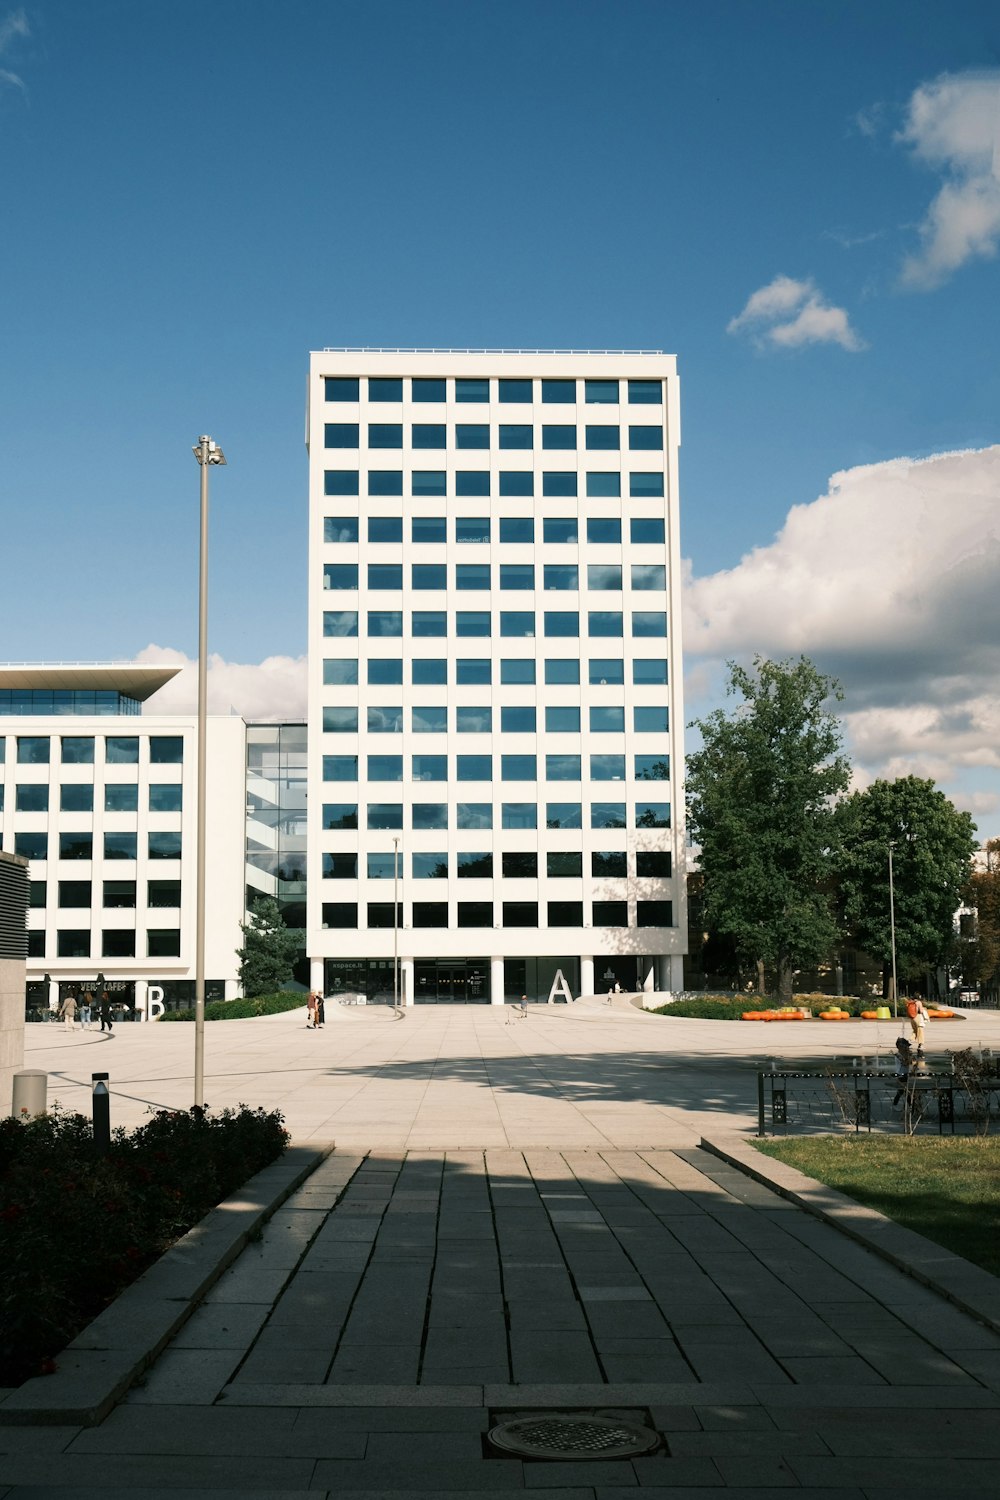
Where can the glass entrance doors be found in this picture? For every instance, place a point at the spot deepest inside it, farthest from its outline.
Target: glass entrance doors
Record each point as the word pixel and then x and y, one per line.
pixel 448 981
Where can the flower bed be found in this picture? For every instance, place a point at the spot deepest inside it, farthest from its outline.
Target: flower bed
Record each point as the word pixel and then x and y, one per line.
pixel 76 1229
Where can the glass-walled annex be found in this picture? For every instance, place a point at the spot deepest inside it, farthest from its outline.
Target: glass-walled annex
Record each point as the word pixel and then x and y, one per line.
pixel 276 819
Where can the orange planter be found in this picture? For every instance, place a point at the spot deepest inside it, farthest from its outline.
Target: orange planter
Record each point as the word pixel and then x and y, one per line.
pixel 869 1015
pixel 834 1015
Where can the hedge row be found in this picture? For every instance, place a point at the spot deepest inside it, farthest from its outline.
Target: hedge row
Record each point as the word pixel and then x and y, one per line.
pixel 240 1010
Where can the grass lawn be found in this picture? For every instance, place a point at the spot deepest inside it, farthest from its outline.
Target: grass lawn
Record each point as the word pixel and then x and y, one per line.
pixel 947 1189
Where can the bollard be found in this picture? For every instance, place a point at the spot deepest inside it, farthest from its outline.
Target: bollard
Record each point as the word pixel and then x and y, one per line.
pixel 102 1113
pixel 28 1099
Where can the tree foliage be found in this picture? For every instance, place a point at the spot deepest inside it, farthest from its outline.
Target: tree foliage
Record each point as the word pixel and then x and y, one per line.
pixel 981 952
pixel 933 844
pixel 269 949
pixel 760 803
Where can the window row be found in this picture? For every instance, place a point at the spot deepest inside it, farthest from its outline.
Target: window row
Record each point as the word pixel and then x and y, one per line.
pixel 116 942
pixel 111 893
pixel 522 815
pixel 34 796
pixel 643 437
pixel 475 671
pixel 600 577
pixel 468 483
pixel 603 530
pixel 479 719
pixel 344 914
pixel 81 846
pixel 603 392
pixel 565 623
pixel 481 768
pixel 78 749
pixel 512 865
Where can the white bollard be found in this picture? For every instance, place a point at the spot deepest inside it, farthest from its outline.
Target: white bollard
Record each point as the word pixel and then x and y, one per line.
pixel 29 1095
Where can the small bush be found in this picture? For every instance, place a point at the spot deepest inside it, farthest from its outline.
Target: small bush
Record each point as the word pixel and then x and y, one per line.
pixel 709 1007
pixel 241 1010
pixel 76 1229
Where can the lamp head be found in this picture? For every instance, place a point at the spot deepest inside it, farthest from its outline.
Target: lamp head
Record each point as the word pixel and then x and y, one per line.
pixel 207 451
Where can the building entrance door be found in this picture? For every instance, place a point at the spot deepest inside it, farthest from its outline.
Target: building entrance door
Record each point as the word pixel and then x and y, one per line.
pixel 447 981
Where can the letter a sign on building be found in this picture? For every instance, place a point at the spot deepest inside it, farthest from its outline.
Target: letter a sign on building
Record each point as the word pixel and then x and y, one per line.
pixel 560 988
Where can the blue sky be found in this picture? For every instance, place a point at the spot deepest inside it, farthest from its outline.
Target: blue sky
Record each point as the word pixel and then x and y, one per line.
pixel 196 193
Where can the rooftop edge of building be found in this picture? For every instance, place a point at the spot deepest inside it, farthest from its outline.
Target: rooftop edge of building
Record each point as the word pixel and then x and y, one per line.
pixel 133 679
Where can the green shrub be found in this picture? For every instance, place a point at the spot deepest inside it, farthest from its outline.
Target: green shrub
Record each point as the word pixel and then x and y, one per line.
pixel 731 1007
pixel 240 1010
pixel 76 1229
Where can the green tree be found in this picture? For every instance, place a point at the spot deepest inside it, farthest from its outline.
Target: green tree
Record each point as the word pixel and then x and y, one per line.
pixel 981 947
pixel 932 847
pixel 269 949
pixel 760 803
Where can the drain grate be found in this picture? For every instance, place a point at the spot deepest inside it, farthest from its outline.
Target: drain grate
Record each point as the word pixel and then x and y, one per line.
pixel 579 1437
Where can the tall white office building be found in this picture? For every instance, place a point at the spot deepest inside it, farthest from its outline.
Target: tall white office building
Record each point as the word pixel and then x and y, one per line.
pixel 495 709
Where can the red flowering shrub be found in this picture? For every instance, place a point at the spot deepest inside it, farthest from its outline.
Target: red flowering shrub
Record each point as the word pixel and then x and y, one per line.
pixel 77 1228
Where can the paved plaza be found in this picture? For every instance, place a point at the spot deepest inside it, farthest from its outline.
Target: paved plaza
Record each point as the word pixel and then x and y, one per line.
pixel 519 1218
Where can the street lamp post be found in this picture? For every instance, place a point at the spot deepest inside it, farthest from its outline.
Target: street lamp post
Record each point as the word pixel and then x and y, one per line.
pixel 207 453
pixel 892 929
pixel 395 924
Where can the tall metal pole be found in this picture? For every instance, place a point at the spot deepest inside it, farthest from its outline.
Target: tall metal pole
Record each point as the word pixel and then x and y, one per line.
pixel 892 928
pixel 199 941
pixel 395 923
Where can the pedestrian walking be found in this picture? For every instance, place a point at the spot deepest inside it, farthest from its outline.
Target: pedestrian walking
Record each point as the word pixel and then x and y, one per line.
pixel 85 1003
pixel 68 1012
pixel 901 1067
pixel 320 1010
pixel 311 1011
pixel 917 1012
pixel 107 1017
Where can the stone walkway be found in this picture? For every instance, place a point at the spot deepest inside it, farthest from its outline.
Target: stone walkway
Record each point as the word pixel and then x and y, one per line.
pixel 404 1301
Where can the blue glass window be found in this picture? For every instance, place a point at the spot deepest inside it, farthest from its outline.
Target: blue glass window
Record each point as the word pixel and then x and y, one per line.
pixel 607 768
pixel 429 815
pixel 340 720
pixel 612 863
pixel 517 669
pixel 604 577
pixel 520 914
pixel 564 914
pixel 605 622
pixel 559 392
pixel 517 529
pixel 518 768
pixel 648 530
pixel 473 671
pixel 562 622
pixel 384 529
pixel 383 720
pixel 559 436
pixel 649 622
pixel 116 846
pixel 472 575
pixel 562 815
pixel 562 576
pixel 562 669
pixel 429 622
pixel 429 670
pixel 165 797
pixel 385 815
pixel 340 622
pixel 340 482
pixel 649 670
pixel 560 863
pixel 342 914
pixel 429 575
pixel 429 435
pixel 652 815
pixel 340 768
pixel 472 482
pixel 474 866
pixel 164 846
pixel 517 719
pixel 428 529
pixel 607 720
pixel 517 575
pixel 430 866
pixel 385 575
pixel 385 768
pixel 607 815
pixel 341 387
pixel 385 622
pixel 607 669
pixel 560 529
pixel 654 913
pixel 385 388
pixel 515 482
pixel 472 529
pixel 604 530
pixel 557 482
pixel 430 768
pixel 340 815
pixel 384 671
pixel 385 435
pixel 645 439
pixel 341 435
pixel 382 866
pixel 430 720
pixel 166 749
pixel 602 438
pixel 519 622
pixel 121 797
pixel 562 720
pixel 385 481
pixel 32 797
pixel 602 392
pixel 340 529
pixel 474 720
pixel 472 622
pixel 651 719
pixel 472 389
pixel 428 388
pixel 562 768
pixel 472 435
pixel 645 393
pixel 428 482
pixel 652 768
pixel 604 486
pixel 649 576
pixel 515 392
pixel 645 486
pixel 516 436
pixel 340 575
pixel 474 768
pixel 475 815
pixel 519 815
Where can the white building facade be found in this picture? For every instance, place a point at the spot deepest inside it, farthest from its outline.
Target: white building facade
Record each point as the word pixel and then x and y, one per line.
pixel 495 751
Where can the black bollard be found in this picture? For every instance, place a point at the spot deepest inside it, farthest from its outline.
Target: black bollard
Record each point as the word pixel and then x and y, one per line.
pixel 102 1113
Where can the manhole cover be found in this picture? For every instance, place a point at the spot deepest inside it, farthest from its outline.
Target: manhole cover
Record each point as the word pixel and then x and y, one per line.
pixel 572 1437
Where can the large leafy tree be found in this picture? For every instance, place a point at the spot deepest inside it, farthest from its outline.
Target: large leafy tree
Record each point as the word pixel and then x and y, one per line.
pixel 269 949
pixel 932 847
pixel 761 792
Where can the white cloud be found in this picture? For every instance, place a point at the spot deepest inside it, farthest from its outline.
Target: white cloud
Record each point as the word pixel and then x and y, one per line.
pixel 272 689
pixel 767 316
pixel 953 126
pixel 13 26
pixel 889 582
